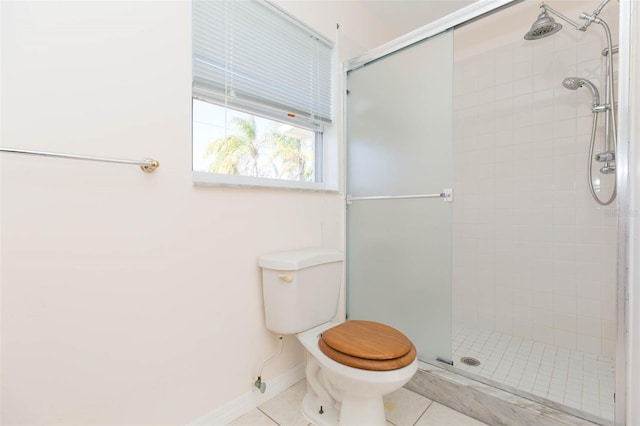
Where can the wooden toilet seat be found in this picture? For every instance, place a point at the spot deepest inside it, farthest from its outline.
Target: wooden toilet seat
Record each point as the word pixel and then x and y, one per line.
pixel 367 345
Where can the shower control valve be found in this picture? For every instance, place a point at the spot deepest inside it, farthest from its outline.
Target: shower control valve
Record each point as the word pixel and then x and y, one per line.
pixel 608 169
pixel 605 156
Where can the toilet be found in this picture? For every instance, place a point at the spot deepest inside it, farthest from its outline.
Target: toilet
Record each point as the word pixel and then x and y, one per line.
pixel 350 365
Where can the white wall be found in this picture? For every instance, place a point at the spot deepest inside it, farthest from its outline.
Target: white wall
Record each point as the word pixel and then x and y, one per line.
pixel 130 298
pixel 121 292
pixel 360 29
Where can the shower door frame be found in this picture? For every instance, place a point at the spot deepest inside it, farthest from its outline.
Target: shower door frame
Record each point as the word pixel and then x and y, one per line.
pixel 625 203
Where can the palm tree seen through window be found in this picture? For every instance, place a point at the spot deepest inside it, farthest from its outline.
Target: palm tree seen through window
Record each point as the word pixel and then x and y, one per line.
pixel 236 143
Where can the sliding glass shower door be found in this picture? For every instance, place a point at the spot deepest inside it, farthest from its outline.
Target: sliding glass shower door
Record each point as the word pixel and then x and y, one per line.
pixel 399 172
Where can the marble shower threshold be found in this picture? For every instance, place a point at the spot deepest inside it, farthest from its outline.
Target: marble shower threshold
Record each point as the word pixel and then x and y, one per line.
pixel 489 404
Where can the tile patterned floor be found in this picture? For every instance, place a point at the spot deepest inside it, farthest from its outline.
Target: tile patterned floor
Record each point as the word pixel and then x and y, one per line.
pixel 575 379
pixel 403 408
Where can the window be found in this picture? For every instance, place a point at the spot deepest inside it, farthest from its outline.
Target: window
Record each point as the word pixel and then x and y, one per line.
pixel 261 96
pixel 235 143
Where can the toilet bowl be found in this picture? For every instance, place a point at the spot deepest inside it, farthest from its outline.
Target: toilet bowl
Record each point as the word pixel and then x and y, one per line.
pixel 350 365
pixel 339 394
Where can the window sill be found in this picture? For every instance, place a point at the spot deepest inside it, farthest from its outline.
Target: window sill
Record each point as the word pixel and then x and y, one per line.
pixel 215 179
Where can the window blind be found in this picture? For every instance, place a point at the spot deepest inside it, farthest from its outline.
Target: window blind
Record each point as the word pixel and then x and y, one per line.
pixel 251 56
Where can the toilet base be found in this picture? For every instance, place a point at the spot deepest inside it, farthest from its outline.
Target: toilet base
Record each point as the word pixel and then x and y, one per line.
pixel 356 411
pixel 362 411
pixel 311 409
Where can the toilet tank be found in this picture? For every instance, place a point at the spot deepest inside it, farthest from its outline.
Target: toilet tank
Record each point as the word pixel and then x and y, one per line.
pixel 301 288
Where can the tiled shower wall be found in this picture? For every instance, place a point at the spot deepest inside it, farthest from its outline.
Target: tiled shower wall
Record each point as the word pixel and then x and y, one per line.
pixel 534 255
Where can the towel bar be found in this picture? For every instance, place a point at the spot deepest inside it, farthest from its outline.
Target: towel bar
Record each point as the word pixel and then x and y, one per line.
pixel 148 165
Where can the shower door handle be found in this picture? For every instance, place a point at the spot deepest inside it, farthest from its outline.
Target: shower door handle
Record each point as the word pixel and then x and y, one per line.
pixel 446 195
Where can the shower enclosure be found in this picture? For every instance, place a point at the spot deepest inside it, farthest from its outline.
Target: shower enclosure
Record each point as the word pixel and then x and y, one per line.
pixel 512 280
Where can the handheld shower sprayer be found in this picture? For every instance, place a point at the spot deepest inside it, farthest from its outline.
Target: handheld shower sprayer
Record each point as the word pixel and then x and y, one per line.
pixel 608 156
pixel 574 83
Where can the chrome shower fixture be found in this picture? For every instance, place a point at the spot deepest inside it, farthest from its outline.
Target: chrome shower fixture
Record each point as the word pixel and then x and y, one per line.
pixel 607 157
pixel 574 83
pixel 545 25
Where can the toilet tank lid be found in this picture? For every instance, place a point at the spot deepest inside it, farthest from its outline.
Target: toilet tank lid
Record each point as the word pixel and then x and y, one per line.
pixel 299 259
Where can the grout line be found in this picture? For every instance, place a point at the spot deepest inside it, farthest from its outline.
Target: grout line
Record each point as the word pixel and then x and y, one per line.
pixel 423 413
pixel 270 418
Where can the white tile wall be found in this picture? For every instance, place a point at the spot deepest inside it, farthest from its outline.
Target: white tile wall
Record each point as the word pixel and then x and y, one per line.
pixel 534 255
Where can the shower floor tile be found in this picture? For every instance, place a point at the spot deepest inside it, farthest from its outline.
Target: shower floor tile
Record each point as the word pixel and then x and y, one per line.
pixel 575 379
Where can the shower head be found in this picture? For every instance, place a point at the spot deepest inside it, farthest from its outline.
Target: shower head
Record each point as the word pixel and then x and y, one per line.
pixel 544 26
pixel 574 83
pixel 571 83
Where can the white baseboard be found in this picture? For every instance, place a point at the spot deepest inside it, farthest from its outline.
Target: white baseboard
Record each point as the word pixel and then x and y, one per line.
pixel 252 399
